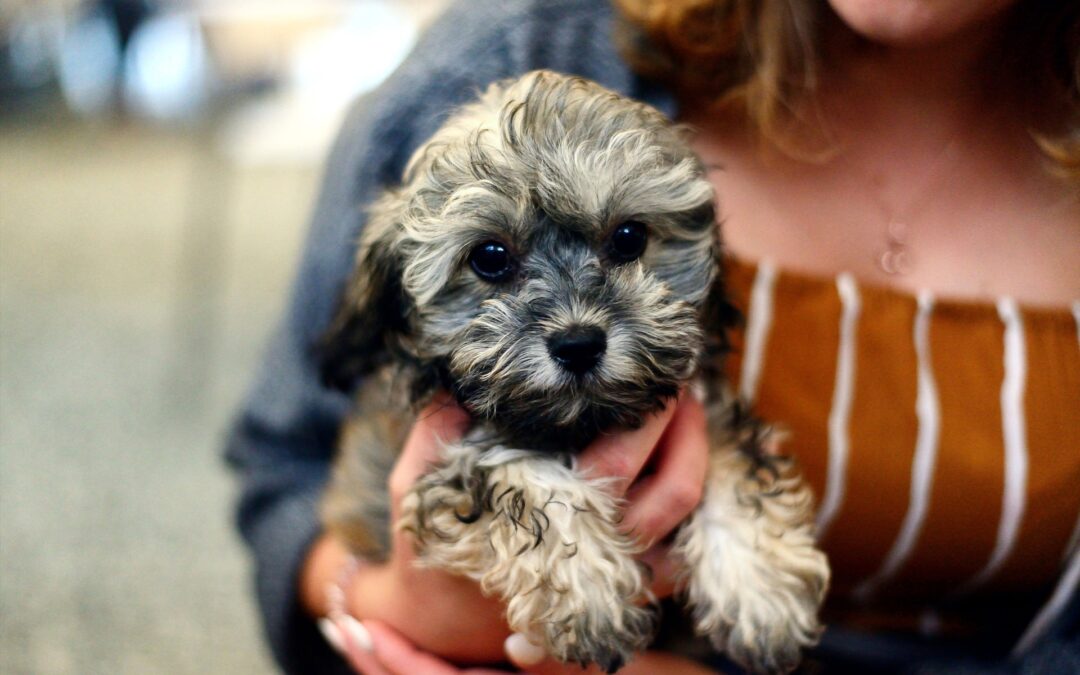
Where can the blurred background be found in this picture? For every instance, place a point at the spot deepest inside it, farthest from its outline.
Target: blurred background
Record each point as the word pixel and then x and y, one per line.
pixel 158 161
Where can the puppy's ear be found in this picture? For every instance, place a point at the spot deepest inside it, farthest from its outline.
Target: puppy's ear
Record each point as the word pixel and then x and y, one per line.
pixel 718 317
pixel 371 317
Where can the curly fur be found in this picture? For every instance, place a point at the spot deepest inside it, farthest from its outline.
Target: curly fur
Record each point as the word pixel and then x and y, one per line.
pixel 549 166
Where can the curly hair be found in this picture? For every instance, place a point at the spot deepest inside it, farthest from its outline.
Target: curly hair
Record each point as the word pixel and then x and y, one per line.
pixel 762 57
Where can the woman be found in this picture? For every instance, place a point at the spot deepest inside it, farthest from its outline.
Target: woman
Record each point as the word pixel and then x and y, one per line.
pixel 901 146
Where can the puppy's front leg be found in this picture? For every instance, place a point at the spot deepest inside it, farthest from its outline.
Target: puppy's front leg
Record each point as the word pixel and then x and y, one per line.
pixel 545 540
pixel 754 578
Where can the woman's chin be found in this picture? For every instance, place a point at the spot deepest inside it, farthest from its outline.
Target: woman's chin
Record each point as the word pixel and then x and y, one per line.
pixel 916 23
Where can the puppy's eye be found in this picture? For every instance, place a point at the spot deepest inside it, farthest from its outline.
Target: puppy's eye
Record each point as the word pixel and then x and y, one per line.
pixel 491 261
pixel 628 241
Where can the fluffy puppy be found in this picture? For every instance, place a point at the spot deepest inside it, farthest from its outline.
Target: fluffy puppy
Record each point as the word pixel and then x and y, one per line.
pixel 551 258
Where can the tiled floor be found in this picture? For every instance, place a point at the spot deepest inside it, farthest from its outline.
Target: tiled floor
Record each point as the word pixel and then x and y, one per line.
pixel 139 276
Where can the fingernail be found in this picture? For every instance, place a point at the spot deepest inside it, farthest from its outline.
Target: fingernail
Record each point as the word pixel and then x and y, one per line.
pixel 355 633
pixel 523 652
pixel 697 391
pixel 332 635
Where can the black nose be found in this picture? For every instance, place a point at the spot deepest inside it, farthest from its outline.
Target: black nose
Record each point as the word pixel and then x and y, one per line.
pixel 578 349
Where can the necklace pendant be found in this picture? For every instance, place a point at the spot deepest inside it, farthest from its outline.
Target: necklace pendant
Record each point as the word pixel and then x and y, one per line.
pixel 894 261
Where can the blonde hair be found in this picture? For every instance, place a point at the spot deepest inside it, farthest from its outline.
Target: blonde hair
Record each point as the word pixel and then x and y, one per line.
pixel 762 57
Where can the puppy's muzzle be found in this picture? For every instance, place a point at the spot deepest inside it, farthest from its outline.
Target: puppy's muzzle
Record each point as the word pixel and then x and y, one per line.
pixel 578 349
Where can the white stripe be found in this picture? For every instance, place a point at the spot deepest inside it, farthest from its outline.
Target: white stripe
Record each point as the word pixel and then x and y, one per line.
pixel 1069 581
pixel 1076 315
pixel 926 446
pixel 840 413
pixel 1050 612
pixel 1014 433
pixel 1074 540
pixel 758 324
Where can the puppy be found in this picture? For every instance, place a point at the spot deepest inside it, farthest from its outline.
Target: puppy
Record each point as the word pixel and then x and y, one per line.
pixel 552 260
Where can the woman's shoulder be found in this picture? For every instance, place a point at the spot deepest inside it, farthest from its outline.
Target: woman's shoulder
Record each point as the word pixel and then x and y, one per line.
pixel 530 33
pixel 477 42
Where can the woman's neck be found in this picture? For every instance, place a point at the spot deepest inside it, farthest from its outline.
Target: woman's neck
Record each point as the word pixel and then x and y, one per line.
pixel 930 90
pixel 917 136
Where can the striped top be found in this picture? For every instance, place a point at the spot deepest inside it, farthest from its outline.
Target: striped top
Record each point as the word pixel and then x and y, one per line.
pixel 941 437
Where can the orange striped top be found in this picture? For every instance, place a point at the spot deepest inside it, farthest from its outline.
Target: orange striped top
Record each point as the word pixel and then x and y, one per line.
pixel 941 437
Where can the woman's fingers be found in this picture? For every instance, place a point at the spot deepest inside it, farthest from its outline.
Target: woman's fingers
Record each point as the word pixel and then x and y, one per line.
pixel 662 500
pixel 621 455
pixel 440 422
pixel 533 660
pixel 397 656
pixel 665 570
pixel 352 640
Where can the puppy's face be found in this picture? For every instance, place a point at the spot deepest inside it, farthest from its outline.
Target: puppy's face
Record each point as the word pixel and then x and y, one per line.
pixel 547 259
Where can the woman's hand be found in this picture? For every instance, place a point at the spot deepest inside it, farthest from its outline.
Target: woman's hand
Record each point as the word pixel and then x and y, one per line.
pixel 389 653
pixel 438 612
pixel 659 469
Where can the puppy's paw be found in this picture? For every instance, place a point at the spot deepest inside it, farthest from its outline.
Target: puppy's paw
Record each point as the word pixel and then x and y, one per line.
pixel 592 636
pixel 754 576
pixel 448 525
pixel 586 606
pixel 762 617
pixel 569 576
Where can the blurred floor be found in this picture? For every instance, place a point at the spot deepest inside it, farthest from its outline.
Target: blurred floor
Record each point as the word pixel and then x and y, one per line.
pixel 139 276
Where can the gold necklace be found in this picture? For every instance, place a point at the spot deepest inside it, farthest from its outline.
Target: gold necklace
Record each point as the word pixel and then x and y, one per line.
pixel 896 258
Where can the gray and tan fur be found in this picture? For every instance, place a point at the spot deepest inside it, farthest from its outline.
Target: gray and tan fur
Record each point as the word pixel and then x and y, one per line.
pixel 561 174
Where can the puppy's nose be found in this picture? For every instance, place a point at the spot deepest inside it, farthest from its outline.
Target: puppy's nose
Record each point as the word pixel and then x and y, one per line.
pixel 578 349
